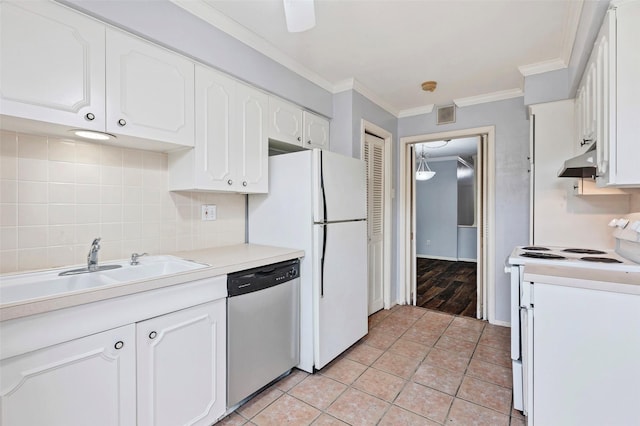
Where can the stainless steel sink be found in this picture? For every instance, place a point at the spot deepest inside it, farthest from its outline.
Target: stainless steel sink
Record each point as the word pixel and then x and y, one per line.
pixel 35 285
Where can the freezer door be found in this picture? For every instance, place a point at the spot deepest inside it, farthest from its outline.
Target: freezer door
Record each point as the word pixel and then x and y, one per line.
pixel 339 187
pixel 340 288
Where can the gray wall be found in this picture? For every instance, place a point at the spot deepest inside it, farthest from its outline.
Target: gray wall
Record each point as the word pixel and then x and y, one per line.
pixel 171 26
pixel 512 179
pixel 436 212
pixel 467 243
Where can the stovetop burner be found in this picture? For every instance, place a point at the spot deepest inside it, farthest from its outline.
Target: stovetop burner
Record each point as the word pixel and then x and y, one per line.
pixel 536 248
pixel 600 259
pixel 583 251
pixel 542 255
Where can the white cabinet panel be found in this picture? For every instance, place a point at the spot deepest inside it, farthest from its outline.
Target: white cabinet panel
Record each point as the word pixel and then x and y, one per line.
pixel 90 380
pixel 150 91
pixel 53 65
pixel 182 366
pixel 252 143
pixel 285 122
pixel 231 144
pixel 316 131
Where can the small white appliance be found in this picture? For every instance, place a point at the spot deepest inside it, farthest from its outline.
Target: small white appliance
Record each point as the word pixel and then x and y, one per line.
pixel 624 259
pixel 317 202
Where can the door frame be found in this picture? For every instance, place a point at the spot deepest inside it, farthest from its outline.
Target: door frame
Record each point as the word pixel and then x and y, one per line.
pixel 405 216
pixel 367 127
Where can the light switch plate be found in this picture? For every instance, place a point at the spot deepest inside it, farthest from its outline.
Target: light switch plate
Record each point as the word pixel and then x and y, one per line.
pixel 209 212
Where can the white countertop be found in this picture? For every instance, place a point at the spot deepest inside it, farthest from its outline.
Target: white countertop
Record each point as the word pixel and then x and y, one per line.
pixel 592 279
pixel 221 261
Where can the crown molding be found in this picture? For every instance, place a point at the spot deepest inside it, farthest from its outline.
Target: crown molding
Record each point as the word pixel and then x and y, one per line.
pixel 489 97
pixel 209 14
pixel 426 109
pixel 542 67
pixel 353 84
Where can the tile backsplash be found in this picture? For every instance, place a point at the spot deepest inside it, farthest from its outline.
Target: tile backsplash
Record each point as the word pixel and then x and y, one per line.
pixel 56 195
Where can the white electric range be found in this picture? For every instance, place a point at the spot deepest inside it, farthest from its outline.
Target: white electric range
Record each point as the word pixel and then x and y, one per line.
pixel 625 258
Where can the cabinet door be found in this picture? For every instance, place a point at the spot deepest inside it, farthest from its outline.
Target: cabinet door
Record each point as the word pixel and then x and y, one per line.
pixel 150 91
pixel 316 131
pixel 252 145
pixel 215 109
pixel 182 366
pixel 52 64
pixel 578 121
pixel 285 122
pixel 85 381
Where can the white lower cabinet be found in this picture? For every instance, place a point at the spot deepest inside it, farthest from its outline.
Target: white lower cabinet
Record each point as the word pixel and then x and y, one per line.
pixel 90 380
pixel 167 370
pixel 181 366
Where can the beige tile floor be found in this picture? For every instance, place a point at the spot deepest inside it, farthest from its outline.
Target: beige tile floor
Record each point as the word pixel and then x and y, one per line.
pixel 415 367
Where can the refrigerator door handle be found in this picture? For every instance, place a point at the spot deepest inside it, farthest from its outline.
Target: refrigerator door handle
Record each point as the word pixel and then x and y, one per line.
pixel 324 195
pixel 324 251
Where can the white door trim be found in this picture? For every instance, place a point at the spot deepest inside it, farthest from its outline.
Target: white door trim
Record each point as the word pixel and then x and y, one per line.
pixel 378 131
pixel 404 248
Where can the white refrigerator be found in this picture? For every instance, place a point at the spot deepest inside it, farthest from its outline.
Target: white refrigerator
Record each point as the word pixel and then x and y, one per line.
pixel 317 202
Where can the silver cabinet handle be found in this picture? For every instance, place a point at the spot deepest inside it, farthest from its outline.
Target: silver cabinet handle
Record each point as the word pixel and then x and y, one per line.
pixel 229 182
pixel 119 345
pixel 153 335
pixel 244 183
pixel 122 122
pixel 90 116
pixel 299 138
pixel 309 141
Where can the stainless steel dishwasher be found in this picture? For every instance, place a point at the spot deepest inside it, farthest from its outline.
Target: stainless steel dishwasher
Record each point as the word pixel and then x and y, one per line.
pixel 263 327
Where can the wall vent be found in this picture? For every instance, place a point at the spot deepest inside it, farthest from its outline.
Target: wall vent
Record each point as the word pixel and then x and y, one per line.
pixel 446 114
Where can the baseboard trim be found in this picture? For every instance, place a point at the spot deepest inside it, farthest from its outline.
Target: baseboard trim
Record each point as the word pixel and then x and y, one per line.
pixel 464 259
pixel 428 256
pixel 502 323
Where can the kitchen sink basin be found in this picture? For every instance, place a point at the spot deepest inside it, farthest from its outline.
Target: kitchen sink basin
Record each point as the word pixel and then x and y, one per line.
pixel 35 285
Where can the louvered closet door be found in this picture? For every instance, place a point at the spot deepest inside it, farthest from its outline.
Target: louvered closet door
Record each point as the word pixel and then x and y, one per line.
pixel 374 158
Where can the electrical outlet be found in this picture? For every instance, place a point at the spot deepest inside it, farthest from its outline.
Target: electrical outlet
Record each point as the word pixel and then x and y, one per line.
pixel 208 212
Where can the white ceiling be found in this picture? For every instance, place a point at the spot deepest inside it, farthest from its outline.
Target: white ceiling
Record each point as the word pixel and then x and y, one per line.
pixel 462 147
pixel 477 50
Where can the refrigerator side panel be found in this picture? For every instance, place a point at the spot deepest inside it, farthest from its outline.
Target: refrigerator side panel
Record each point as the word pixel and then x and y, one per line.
pixel 345 187
pixel 283 218
pixel 341 290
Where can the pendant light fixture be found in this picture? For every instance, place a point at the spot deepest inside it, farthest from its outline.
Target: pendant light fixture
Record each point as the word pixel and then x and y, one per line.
pixel 424 172
pixel 300 15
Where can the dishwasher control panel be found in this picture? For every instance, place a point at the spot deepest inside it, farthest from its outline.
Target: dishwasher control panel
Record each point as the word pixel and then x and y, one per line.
pixel 262 277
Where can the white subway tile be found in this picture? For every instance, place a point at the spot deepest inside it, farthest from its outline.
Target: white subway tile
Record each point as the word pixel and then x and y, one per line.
pixel 32 236
pixel 151 213
pixel 8 238
pixel 8 143
pixel 132 230
pixel 87 153
pixel 151 230
pixel 32 192
pixel 132 177
pixel 33 169
pixel 110 175
pixel 8 167
pixel 110 194
pixel 62 172
pixel 62 150
pixel 32 146
pixel 85 233
pixel 87 213
pixel 132 159
pixel 110 156
pixel 132 213
pixel 111 213
pixel 64 214
pixel 87 174
pixel 132 195
pixel 8 191
pixel 61 256
pixel 62 193
pixel 32 214
pixel 61 235
pixel 111 232
pixel 8 261
pixel 87 194
pixel 154 160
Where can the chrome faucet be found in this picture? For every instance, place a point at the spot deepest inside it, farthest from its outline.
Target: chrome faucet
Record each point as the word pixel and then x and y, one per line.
pixel 92 257
pixel 134 258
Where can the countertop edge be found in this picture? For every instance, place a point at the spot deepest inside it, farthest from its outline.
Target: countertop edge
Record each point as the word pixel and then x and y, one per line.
pixel 234 258
pixel 611 281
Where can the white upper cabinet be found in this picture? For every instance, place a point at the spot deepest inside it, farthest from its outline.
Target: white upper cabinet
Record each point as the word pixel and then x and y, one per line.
pixel 285 122
pixel 53 65
pixel 62 70
pixel 618 66
pixel 231 144
pixel 290 124
pixel 316 131
pixel 150 91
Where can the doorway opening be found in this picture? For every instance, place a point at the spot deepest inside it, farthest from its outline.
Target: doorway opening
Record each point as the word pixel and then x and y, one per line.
pixel 375 150
pixel 483 218
pixel 446 232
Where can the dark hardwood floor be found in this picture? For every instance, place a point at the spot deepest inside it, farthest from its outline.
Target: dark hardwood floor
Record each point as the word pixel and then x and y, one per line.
pixel 447 286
